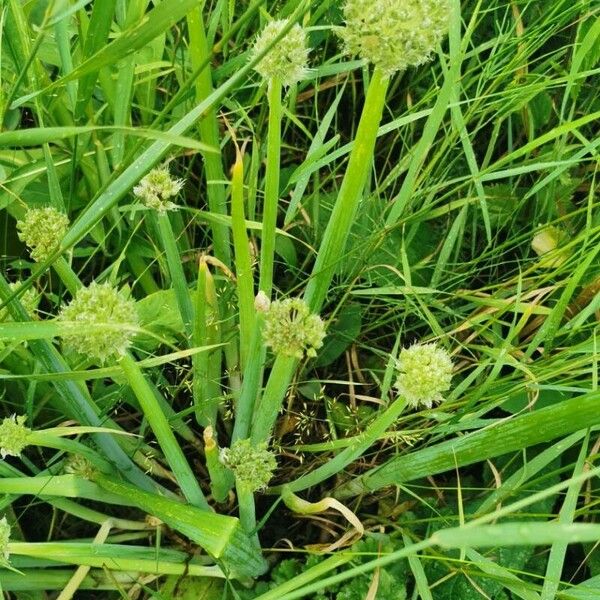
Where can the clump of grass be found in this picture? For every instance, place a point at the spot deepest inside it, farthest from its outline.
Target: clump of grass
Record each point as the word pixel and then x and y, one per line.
pixel 277 278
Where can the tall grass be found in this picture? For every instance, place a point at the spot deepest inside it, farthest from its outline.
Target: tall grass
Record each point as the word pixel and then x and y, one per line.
pixel 453 202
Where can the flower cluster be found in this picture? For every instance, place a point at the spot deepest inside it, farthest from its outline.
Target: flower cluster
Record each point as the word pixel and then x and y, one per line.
pixel 424 372
pixel 75 464
pixel 28 299
pixel 394 34
pixel 156 189
pixel 99 304
pixel 287 60
pixel 4 541
pixel 252 466
pixel 291 329
pixel 13 435
pixel 42 230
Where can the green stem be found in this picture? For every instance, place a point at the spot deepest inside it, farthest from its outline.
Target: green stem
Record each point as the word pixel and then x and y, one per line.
pixel 269 405
pixel 209 134
pixel 163 432
pixel 247 508
pixel 176 273
pixel 271 199
pixel 250 387
pixel 350 194
pixel 206 365
pixel 243 262
pixel 67 275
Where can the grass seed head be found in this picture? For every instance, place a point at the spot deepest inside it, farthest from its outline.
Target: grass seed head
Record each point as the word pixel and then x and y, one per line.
pixel 252 465
pixel 156 189
pixel 99 304
pixel 287 60
pixel 394 34
pixel 42 230
pixel 290 329
pixel 13 435
pixel 424 373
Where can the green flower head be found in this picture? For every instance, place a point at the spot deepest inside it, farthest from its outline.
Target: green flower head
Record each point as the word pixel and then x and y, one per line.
pixel 29 300
pixel 75 464
pixel 157 188
pixel 252 466
pixel 99 304
pixel 424 373
pixel 13 435
pixel 547 242
pixel 42 230
pixel 4 541
pixel 287 59
pixel 291 329
pixel 394 34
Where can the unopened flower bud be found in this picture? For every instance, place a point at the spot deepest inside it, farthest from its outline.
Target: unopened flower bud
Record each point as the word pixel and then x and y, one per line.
pixel 253 466
pixel 96 305
pixel 292 330
pixel 42 230
pixel 13 435
pixel 262 302
pixel 424 373
pixel 287 60
pixel 394 34
pixel 156 189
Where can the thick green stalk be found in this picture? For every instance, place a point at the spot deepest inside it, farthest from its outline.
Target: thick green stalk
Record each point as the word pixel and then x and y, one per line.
pixel 206 365
pixel 67 275
pixel 271 197
pixel 178 279
pixel 209 134
pixel 350 194
pixel 163 432
pixel 269 405
pixel 512 435
pixel 250 388
pixel 243 262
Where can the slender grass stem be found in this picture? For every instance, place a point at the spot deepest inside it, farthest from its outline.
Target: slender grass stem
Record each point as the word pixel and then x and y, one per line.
pixel 271 198
pixel 176 272
pixel 163 432
pixel 269 405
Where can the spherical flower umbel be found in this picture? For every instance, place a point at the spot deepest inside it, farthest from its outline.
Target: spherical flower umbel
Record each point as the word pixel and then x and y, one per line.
pixel 252 465
pixel 99 304
pixel 291 329
pixel 13 435
pixel 287 60
pixel 424 373
pixel 394 34
pixel 28 299
pixel 156 189
pixel 42 230
pixel 4 540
